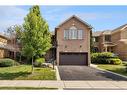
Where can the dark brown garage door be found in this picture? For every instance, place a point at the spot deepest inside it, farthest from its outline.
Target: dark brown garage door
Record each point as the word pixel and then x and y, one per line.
pixel 73 58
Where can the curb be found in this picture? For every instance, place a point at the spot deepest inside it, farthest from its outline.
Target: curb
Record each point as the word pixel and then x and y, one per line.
pixel 57 74
pixel 58 78
pixel 93 65
pixel 110 72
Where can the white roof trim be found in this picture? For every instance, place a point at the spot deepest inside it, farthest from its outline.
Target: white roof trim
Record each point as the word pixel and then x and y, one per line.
pixel 124 27
pixel 76 18
pixel 119 30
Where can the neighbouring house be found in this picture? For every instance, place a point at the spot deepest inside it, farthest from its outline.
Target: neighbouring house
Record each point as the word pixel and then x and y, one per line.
pixel 73 42
pixel 112 41
pixel 102 41
pixel 8 47
pixel 3 43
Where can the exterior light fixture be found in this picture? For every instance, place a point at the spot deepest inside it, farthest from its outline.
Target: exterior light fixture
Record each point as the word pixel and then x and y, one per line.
pixel 80 46
pixel 65 46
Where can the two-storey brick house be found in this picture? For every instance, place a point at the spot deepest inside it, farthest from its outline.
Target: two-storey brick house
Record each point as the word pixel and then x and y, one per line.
pixel 3 43
pixel 112 41
pixel 102 41
pixel 73 42
pixel 8 47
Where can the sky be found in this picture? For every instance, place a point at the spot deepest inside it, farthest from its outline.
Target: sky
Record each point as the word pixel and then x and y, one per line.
pixel 99 17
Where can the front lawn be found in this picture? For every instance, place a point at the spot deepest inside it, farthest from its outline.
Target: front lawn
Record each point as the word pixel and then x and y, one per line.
pixel 23 72
pixel 120 69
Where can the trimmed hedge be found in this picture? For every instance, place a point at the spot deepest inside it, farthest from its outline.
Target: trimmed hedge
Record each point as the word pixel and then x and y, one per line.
pixel 7 62
pixel 105 58
pixel 39 62
pixel 115 61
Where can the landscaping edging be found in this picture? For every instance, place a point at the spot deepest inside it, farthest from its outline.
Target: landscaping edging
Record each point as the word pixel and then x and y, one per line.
pixel 95 66
pixel 57 74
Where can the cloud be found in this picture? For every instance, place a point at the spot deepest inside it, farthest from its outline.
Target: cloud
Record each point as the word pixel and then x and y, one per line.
pixel 11 15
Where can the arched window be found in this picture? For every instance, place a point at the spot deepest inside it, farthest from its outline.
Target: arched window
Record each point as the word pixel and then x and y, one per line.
pixel 73 33
pixel 73 28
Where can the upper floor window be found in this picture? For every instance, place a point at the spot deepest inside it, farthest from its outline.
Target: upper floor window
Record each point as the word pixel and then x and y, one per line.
pixel 73 33
pixel 107 38
pixel 80 34
pixel 96 39
pixel 66 34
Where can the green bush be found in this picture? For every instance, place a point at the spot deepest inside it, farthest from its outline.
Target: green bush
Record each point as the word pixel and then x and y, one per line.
pixel 101 57
pixel 39 62
pixel 125 63
pixel 115 61
pixel 104 58
pixel 7 62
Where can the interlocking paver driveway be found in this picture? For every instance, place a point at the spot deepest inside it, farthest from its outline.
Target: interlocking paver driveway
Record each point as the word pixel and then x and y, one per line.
pixel 86 73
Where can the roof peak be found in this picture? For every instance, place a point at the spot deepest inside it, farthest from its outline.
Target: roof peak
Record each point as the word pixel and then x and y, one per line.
pixel 74 16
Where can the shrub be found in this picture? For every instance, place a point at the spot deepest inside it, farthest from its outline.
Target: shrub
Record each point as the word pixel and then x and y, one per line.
pixel 39 62
pixel 101 57
pixel 115 61
pixel 106 55
pixel 105 58
pixel 125 63
pixel 7 62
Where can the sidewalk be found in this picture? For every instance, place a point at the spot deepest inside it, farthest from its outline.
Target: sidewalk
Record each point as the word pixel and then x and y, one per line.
pixel 65 84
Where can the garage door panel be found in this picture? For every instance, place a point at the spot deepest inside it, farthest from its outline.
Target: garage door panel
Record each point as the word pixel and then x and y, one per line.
pixel 73 59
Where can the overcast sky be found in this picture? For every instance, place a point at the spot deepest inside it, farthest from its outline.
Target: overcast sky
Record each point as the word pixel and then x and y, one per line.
pixel 100 17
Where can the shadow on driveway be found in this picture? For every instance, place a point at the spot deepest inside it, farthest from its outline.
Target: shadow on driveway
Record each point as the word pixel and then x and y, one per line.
pixel 86 73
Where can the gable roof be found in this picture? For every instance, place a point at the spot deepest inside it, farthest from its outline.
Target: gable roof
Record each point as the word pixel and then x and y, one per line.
pixel 4 36
pixel 98 33
pixel 95 34
pixel 73 16
pixel 107 32
pixel 119 28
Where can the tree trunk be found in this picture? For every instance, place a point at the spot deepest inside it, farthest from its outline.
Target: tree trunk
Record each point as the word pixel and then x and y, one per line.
pixel 20 58
pixel 53 64
pixel 32 66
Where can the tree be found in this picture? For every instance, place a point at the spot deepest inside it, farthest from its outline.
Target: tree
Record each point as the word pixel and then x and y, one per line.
pixel 14 32
pixel 36 38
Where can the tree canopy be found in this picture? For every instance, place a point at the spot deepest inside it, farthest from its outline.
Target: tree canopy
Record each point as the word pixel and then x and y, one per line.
pixel 36 38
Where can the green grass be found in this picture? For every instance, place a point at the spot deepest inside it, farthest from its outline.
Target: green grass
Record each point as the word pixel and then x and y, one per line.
pixel 120 69
pixel 23 72
pixel 27 88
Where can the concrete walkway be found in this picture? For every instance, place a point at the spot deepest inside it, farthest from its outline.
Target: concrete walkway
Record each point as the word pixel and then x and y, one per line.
pixel 66 84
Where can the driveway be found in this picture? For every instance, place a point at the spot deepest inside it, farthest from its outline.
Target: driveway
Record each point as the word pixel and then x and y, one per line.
pixel 86 73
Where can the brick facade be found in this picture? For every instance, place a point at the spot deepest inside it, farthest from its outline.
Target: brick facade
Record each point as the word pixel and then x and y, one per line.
pixel 118 44
pixel 73 45
pixel 3 42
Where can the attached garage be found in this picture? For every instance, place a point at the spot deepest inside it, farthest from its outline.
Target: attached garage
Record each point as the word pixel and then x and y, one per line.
pixel 70 58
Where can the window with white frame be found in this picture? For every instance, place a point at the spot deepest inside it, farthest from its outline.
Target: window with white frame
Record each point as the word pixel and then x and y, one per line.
pixel 66 34
pixel 73 33
pixel 80 34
